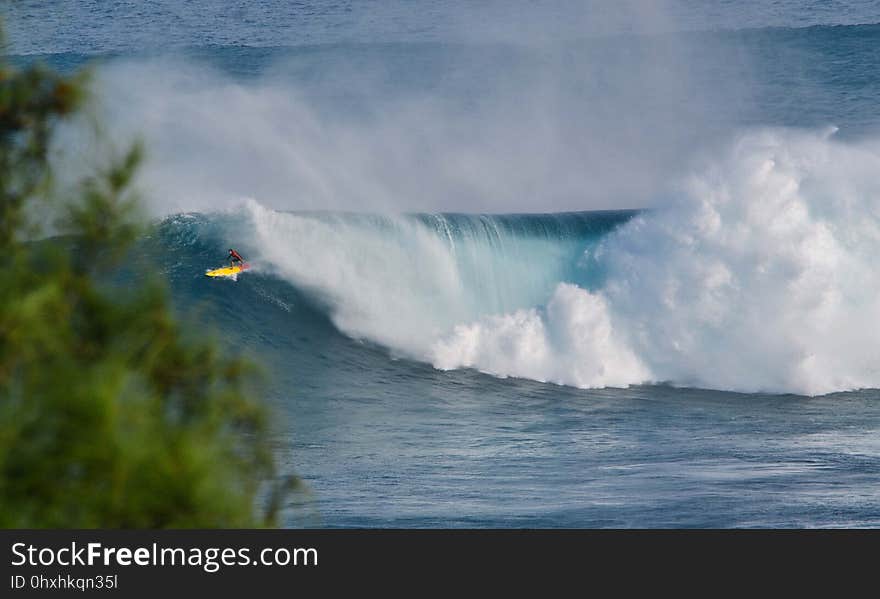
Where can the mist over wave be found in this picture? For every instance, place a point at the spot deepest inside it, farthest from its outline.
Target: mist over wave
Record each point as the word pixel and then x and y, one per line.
pixel 419 127
pixel 748 270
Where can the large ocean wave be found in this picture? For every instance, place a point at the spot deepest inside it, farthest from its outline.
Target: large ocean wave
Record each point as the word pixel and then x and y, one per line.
pixel 759 276
pixel 750 268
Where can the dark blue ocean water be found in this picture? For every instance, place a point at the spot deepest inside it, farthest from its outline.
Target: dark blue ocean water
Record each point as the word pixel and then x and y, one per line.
pixel 527 114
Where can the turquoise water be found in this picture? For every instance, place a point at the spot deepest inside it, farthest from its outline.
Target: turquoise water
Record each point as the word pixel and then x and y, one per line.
pixel 464 321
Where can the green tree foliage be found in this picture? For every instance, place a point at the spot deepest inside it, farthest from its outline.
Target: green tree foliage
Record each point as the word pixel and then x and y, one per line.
pixel 110 416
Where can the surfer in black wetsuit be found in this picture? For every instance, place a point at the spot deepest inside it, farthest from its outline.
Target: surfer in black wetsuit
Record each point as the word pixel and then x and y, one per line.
pixel 234 257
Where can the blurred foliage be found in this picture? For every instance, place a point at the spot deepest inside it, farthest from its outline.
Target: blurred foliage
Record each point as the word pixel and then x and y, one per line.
pixel 109 415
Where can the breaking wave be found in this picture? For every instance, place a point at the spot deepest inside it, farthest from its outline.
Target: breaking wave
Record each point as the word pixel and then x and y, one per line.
pixel 759 276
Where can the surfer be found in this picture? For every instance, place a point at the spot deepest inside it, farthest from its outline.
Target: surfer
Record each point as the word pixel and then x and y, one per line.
pixel 234 257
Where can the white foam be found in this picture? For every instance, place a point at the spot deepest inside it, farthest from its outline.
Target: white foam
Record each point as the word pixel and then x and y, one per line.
pixel 762 276
pixel 571 342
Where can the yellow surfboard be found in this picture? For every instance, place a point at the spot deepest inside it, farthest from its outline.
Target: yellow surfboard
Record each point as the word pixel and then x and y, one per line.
pixel 227 271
